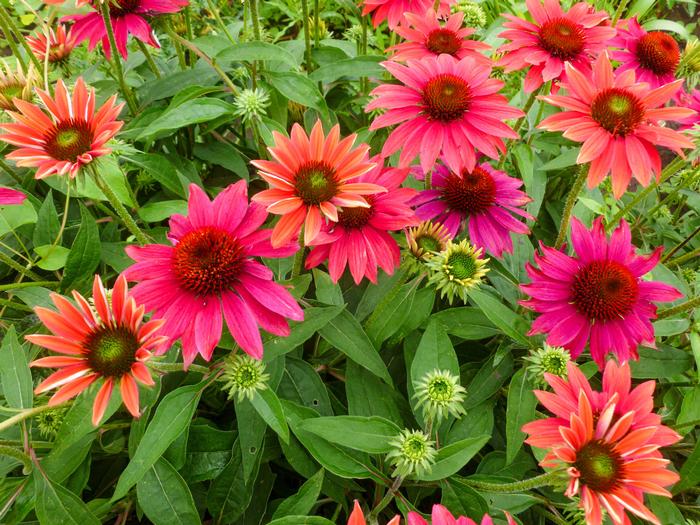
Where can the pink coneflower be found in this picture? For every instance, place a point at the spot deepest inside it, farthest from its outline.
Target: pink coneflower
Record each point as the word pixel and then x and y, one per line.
pixel 310 178
pixel 441 516
pixel 127 16
pixel 483 198
pixel 691 101
pixel 598 296
pixel 70 136
pixel 360 239
pixel 393 11
pixel 10 196
pixel 358 518
pixel 108 340
pixel 617 120
pixel 553 39
pixel 446 107
pixel 59 43
pixel 425 36
pixel 210 268
pixel 611 459
pixel 653 56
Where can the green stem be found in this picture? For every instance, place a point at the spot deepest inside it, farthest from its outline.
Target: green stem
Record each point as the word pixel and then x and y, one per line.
pixel 307 35
pixel 23 41
pixel 64 219
pixel 570 203
pixel 618 12
pixel 680 245
pixel 428 182
pixel 688 305
pixel 9 261
pixel 24 414
pixel 19 456
pixel 116 59
pixel 11 41
pixel 15 306
pixel 177 367
pixel 547 479
pixel 550 516
pixel 528 105
pixel 317 20
pixel 149 59
pixel 122 212
pixel 670 170
pixel 17 286
pixel 188 32
pixel 189 45
pixel 388 497
pixel 217 16
pixel 684 258
pixel 299 256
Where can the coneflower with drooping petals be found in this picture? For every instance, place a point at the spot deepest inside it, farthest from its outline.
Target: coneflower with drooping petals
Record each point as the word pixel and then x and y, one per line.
pixel 597 296
pixel 425 36
pixel 445 108
pixel 108 341
pixel 65 137
pixel 553 39
pixel 653 55
pixel 310 178
pixel 59 44
pixel 484 199
pixel 393 11
pixel 360 239
pixel 357 517
pixel 608 442
pixel 618 121
pixel 209 269
pixel 441 516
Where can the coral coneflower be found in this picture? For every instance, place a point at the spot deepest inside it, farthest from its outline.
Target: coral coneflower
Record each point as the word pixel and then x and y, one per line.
pixel 483 198
pixel 553 39
pixel 127 17
pixel 357 517
pixel 360 239
pixel 598 296
pixel 108 341
pixel 653 55
pixel 393 11
pixel 608 441
pixel 70 136
pixel 310 178
pixel 424 36
pixel 10 196
pixel 59 44
pixel 14 84
pixel 446 107
pixel 210 269
pixel 617 120
pixel 441 516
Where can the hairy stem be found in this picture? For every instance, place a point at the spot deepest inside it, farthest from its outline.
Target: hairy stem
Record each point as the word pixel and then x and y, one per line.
pixel 570 203
pixel 116 59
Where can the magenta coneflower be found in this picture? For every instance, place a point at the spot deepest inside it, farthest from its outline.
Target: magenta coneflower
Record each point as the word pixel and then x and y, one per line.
pixel 393 11
pixel 611 458
pixel 127 17
pixel 360 239
pixel 446 107
pixel 108 340
pixel 553 39
pixel 484 199
pixel 653 56
pixel 425 36
pixel 210 269
pixel 59 44
pixel 598 296
pixel 442 516
pixel 10 196
pixel 617 119
pixel 691 101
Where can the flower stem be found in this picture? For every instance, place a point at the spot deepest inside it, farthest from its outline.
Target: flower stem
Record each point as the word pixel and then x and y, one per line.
pixel 149 59
pixel 215 11
pixel 688 305
pixel 177 367
pixel 9 261
pixel 680 245
pixel 17 286
pixel 11 41
pixel 528 105
pixel 547 479
pixel 317 36
pixel 189 45
pixel 122 212
pixel 307 35
pixel 116 59
pixel 570 203
pixel 23 41
pixel 386 499
pixel 618 12
pixel 299 256
pixel 24 414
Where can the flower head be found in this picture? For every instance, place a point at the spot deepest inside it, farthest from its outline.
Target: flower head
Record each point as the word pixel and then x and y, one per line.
pixel 484 199
pixel 424 241
pixel 310 178
pixel 14 84
pixel 209 268
pixel 439 393
pixel 49 421
pixel 554 38
pixel 442 516
pixel 689 64
pixel 244 376
pixel 10 196
pixel 112 344
pixel 251 103
pixel 361 239
pixel 608 441
pixel 457 269
pixel 653 55
pixel 598 296
pixel 393 11
pixel 551 360
pixel 446 107
pixel 59 44
pixel 474 15
pixel 617 119
pixel 66 136
pixel 127 17
pixel 358 518
pixel 426 36
pixel 413 453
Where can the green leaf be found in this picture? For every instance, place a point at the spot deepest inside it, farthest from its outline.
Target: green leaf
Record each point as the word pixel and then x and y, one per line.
pixel 327 291
pixel 160 168
pixel 171 419
pixel 251 433
pixel 690 472
pixel 690 410
pixel 366 434
pixel 452 458
pixel 84 253
pixel 301 520
pixel 500 315
pixel 662 362
pixel 303 501
pixel 191 112
pixel 434 351
pixel 165 497
pixel 15 377
pixel 383 327
pixel 300 89
pixel 462 500
pixel 521 409
pixel 52 257
pixel 223 154
pixel 47 223
pixel 302 384
pixel 369 396
pixel 664 509
pixel 160 210
pixel 345 333
pixel 315 318
pixel 668 26
pixel 268 406
pixel 12 217
pixel 250 51
pixel 466 322
pixel 229 495
pixel 352 68
pixel 488 380
pixel 55 504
